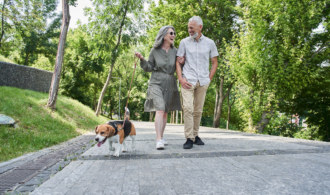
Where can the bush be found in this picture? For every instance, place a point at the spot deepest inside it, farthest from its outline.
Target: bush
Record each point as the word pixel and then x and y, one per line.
pixel 280 126
pixel 311 133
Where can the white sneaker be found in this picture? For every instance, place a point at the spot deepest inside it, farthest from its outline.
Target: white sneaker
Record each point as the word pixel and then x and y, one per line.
pixel 164 141
pixel 160 145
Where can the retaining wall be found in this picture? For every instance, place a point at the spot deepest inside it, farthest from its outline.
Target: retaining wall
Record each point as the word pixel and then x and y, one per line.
pixel 24 77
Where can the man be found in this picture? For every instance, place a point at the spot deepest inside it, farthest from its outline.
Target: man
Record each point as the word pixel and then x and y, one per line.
pixel 195 77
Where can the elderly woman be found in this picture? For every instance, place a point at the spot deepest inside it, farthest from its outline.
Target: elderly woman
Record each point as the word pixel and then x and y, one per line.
pixel 162 95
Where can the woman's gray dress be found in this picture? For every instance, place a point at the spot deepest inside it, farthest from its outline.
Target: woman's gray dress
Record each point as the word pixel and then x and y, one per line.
pixel 162 92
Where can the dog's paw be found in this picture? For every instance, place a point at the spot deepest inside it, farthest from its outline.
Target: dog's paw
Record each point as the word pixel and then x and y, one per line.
pixel 116 154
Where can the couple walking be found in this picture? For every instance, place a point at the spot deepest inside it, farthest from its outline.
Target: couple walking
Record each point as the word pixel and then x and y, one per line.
pixel 191 63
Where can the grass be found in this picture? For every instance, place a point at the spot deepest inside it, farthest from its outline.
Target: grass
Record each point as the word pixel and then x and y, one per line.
pixel 2 58
pixel 38 126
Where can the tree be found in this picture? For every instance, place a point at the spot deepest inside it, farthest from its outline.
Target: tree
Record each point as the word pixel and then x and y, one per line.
pixel 123 28
pixel 313 102
pixel 229 108
pixel 53 91
pixel 277 53
pixel 82 69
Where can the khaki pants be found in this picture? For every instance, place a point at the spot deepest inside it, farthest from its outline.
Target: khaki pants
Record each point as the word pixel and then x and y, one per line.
pixel 193 102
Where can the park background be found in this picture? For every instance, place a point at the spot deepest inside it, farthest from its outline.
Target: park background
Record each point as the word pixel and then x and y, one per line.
pixel 272 78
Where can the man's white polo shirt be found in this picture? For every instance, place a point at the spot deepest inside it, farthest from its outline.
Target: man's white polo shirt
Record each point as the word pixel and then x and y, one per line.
pixel 197 54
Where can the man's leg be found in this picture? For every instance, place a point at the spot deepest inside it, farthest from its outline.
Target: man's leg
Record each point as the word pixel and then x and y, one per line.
pixel 188 99
pixel 199 99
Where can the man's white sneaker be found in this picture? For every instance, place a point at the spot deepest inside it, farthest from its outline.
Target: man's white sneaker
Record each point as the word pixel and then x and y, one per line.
pixel 160 145
pixel 164 141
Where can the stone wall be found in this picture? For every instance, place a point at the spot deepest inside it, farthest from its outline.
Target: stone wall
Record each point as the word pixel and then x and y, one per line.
pixel 24 77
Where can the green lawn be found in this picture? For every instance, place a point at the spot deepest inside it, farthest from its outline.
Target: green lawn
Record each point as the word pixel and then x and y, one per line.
pixel 39 127
pixel 2 58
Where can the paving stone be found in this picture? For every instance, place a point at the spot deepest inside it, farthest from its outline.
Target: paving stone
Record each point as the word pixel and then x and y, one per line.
pixel 230 163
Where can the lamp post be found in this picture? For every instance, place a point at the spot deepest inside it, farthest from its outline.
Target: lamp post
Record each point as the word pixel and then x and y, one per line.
pixel 119 93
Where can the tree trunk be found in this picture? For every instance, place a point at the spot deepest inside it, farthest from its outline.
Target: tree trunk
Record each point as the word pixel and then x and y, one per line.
pixel 216 119
pixel 216 103
pixel 229 109
pixel 251 126
pixel 114 57
pixel 26 59
pixel 265 118
pixel 2 29
pixel 59 57
pixel 151 116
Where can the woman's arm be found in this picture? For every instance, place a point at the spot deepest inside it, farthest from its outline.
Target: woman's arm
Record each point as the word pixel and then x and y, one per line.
pixel 147 66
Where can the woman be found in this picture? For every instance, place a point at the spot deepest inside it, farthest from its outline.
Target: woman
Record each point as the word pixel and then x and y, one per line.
pixel 162 95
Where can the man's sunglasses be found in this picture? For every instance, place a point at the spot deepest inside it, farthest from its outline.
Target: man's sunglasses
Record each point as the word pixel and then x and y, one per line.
pixel 172 33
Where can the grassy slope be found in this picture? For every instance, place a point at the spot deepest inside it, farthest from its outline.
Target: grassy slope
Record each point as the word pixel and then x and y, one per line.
pixel 38 126
pixel 2 58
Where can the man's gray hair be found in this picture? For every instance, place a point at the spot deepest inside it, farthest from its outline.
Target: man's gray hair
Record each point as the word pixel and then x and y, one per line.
pixel 197 19
pixel 160 36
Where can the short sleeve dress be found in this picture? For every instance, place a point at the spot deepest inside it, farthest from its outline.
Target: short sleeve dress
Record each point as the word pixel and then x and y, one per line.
pixel 162 91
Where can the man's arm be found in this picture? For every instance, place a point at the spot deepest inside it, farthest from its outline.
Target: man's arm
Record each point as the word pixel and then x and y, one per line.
pixel 214 62
pixel 183 81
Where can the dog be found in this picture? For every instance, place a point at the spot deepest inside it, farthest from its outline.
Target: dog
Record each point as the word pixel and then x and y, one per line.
pixel 112 132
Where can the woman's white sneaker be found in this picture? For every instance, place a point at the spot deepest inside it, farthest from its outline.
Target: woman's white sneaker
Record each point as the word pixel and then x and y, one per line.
pixel 164 141
pixel 160 145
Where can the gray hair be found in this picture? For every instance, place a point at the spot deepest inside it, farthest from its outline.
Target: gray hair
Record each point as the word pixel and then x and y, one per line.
pixel 197 19
pixel 160 36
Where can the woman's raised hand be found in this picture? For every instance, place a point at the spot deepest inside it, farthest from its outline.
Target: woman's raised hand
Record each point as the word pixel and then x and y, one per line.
pixel 139 55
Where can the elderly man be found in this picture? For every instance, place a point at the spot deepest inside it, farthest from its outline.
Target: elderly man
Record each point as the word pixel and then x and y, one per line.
pixel 195 77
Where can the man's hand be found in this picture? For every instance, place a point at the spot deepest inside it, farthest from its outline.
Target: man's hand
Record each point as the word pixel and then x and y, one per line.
pixel 181 59
pixel 184 83
pixel 139 55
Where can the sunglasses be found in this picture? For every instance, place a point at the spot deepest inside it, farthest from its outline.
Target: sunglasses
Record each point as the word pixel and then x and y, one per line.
pixel 172 33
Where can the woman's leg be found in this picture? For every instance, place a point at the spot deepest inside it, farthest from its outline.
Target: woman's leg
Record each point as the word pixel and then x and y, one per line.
pixel 164 123
pixel 159 123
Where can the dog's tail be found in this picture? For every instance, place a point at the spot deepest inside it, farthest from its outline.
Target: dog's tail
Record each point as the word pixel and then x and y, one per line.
pixel 127 113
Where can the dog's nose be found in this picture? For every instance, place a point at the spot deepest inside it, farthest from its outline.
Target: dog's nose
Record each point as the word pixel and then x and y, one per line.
pixel 97 139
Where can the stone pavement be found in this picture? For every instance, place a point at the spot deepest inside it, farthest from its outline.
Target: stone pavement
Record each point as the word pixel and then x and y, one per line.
pixel 25 173
pixel 231 162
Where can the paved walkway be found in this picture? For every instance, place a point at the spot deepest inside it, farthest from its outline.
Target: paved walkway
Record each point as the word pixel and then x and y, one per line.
pixel 230 163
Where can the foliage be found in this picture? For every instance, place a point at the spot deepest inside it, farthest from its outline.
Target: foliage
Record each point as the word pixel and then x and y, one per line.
pixel 276 56
pixel 4 59
pixel 208 122
pixel 311 133
pixel 313 102
pixel 82 69
pixel 31 34
pixel 39 127
pixel 123 69
pixel 280 126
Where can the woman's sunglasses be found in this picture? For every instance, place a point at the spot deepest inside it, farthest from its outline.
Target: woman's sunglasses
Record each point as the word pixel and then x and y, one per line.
pixel 172 33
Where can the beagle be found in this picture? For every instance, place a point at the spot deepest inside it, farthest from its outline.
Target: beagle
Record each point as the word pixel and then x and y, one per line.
pixel 112 132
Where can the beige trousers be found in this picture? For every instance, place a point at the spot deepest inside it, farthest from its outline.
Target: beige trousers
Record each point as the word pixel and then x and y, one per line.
pixel 193 102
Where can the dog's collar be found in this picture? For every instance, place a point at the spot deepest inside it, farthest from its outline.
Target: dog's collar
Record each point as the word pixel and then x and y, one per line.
pixel 114 125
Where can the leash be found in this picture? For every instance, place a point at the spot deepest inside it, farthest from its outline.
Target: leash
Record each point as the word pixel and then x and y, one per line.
pixel 129 91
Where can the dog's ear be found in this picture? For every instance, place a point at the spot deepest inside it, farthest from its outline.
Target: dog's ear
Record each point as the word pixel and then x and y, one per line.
pixel 109 131
pixel 96 128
